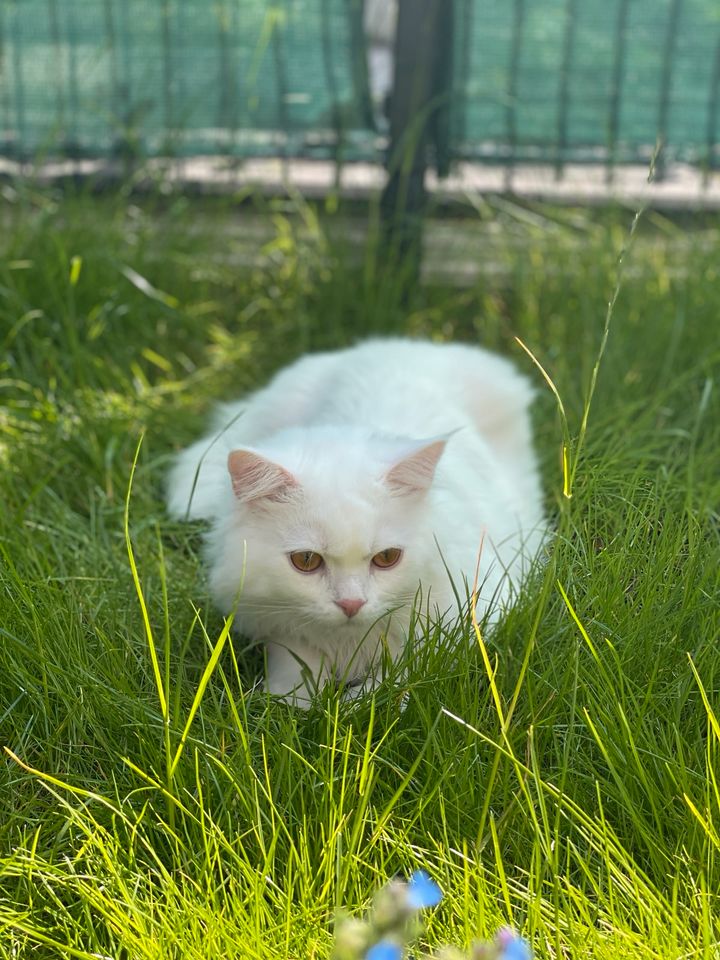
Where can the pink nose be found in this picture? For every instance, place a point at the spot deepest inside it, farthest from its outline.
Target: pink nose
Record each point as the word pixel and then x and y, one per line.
pixel 350 607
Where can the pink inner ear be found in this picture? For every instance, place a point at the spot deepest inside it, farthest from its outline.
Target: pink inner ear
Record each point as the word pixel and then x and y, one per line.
pixel 256 478
pixel 414 473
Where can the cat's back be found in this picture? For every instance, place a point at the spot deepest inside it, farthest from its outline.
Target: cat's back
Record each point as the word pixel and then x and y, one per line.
pixel 410 387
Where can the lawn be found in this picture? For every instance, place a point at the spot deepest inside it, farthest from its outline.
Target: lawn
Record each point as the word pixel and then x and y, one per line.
pixel 562 775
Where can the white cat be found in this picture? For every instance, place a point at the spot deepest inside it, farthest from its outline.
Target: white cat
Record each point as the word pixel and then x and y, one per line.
pixel 350 482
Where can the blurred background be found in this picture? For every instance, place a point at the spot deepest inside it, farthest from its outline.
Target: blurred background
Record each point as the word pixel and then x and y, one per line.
pixel 558 98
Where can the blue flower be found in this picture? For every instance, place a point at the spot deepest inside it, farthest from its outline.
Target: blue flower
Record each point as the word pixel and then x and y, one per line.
pixel 423 892
pixel 384 950
pixel 516 949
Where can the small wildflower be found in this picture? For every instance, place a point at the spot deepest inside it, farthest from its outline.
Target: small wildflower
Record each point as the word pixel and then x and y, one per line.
pixel 395 921
pixel 517 950
pixel 512 946
pixel 505 936
pixel 384 950
pixel 423 891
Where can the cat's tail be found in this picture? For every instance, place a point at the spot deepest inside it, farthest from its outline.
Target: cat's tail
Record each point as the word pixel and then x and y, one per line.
pixel 198 482
pixel 198 486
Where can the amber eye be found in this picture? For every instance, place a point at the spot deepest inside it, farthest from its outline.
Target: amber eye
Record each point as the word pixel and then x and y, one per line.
pixel 387 558
pixel 306 561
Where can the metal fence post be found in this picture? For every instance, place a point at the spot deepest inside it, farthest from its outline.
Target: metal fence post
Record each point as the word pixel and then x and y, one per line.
pixel 414 101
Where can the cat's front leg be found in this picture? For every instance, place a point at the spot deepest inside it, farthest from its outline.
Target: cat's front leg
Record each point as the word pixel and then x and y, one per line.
pixel 293 675
pixel 366 686
pixel 355 687
pixel 358 688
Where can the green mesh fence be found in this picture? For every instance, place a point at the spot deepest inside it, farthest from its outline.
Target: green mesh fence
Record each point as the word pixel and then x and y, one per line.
pixel 180 77
pixel 538 80
pixel 585 80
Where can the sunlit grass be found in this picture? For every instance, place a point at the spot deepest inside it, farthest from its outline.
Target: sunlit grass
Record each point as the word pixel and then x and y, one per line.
pixel 562 775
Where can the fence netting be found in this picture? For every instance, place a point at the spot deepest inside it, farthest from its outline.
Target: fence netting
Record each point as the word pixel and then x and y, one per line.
pixel 585 80
pixel 183 77
pixel 524 80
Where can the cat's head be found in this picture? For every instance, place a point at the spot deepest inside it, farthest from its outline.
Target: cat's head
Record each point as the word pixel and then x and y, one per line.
pixel 331 530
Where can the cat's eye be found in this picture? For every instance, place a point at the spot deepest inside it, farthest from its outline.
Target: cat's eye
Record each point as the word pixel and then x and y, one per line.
pixel 307 561
pixel 387 558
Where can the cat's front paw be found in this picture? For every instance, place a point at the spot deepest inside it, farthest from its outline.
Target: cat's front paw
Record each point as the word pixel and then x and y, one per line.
pixel 300 697
pixel 292 679
pixel 357 687
pixel 364 686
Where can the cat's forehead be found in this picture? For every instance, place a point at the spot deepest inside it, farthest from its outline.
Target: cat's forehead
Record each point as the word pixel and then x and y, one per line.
pixel 342 520
pixel 347 522
pixel 332 456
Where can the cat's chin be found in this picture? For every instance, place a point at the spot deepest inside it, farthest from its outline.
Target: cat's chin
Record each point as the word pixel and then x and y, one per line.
pixel 355 630
pixel 343 626
pixel 363 623
pixel 352 623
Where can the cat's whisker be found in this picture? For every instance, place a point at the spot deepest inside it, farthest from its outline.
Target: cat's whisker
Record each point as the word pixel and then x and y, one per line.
pixel 267 605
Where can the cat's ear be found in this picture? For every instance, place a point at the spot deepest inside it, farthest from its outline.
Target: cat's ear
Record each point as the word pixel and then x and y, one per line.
pixel 254 478
pixel 415 472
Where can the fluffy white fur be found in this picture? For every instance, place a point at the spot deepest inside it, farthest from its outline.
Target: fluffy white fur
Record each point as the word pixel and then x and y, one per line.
pixel 392 443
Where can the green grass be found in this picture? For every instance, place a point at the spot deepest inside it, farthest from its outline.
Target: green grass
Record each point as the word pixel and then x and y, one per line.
pixel 576 795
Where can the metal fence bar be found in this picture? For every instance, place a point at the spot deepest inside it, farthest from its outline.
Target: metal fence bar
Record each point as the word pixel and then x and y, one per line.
pixel 126 144
pixel 19 84
pixel 512 87
pixel 403 200
pixel 74 147
pixel 125 141
pixel 711 139
pixel 57 56
pixel 458 105
pixel 666 84
pixel 329 68
pixel 616 88
pixel 281 76
pixel 235 64
pixel 359 65
pixel 181 101
pixel 3 72
pixel 168 80
pixel 241 75
pixel 442 84
pixel 4 97
pixel 225 77
pixel 564 91
pixel 111 32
